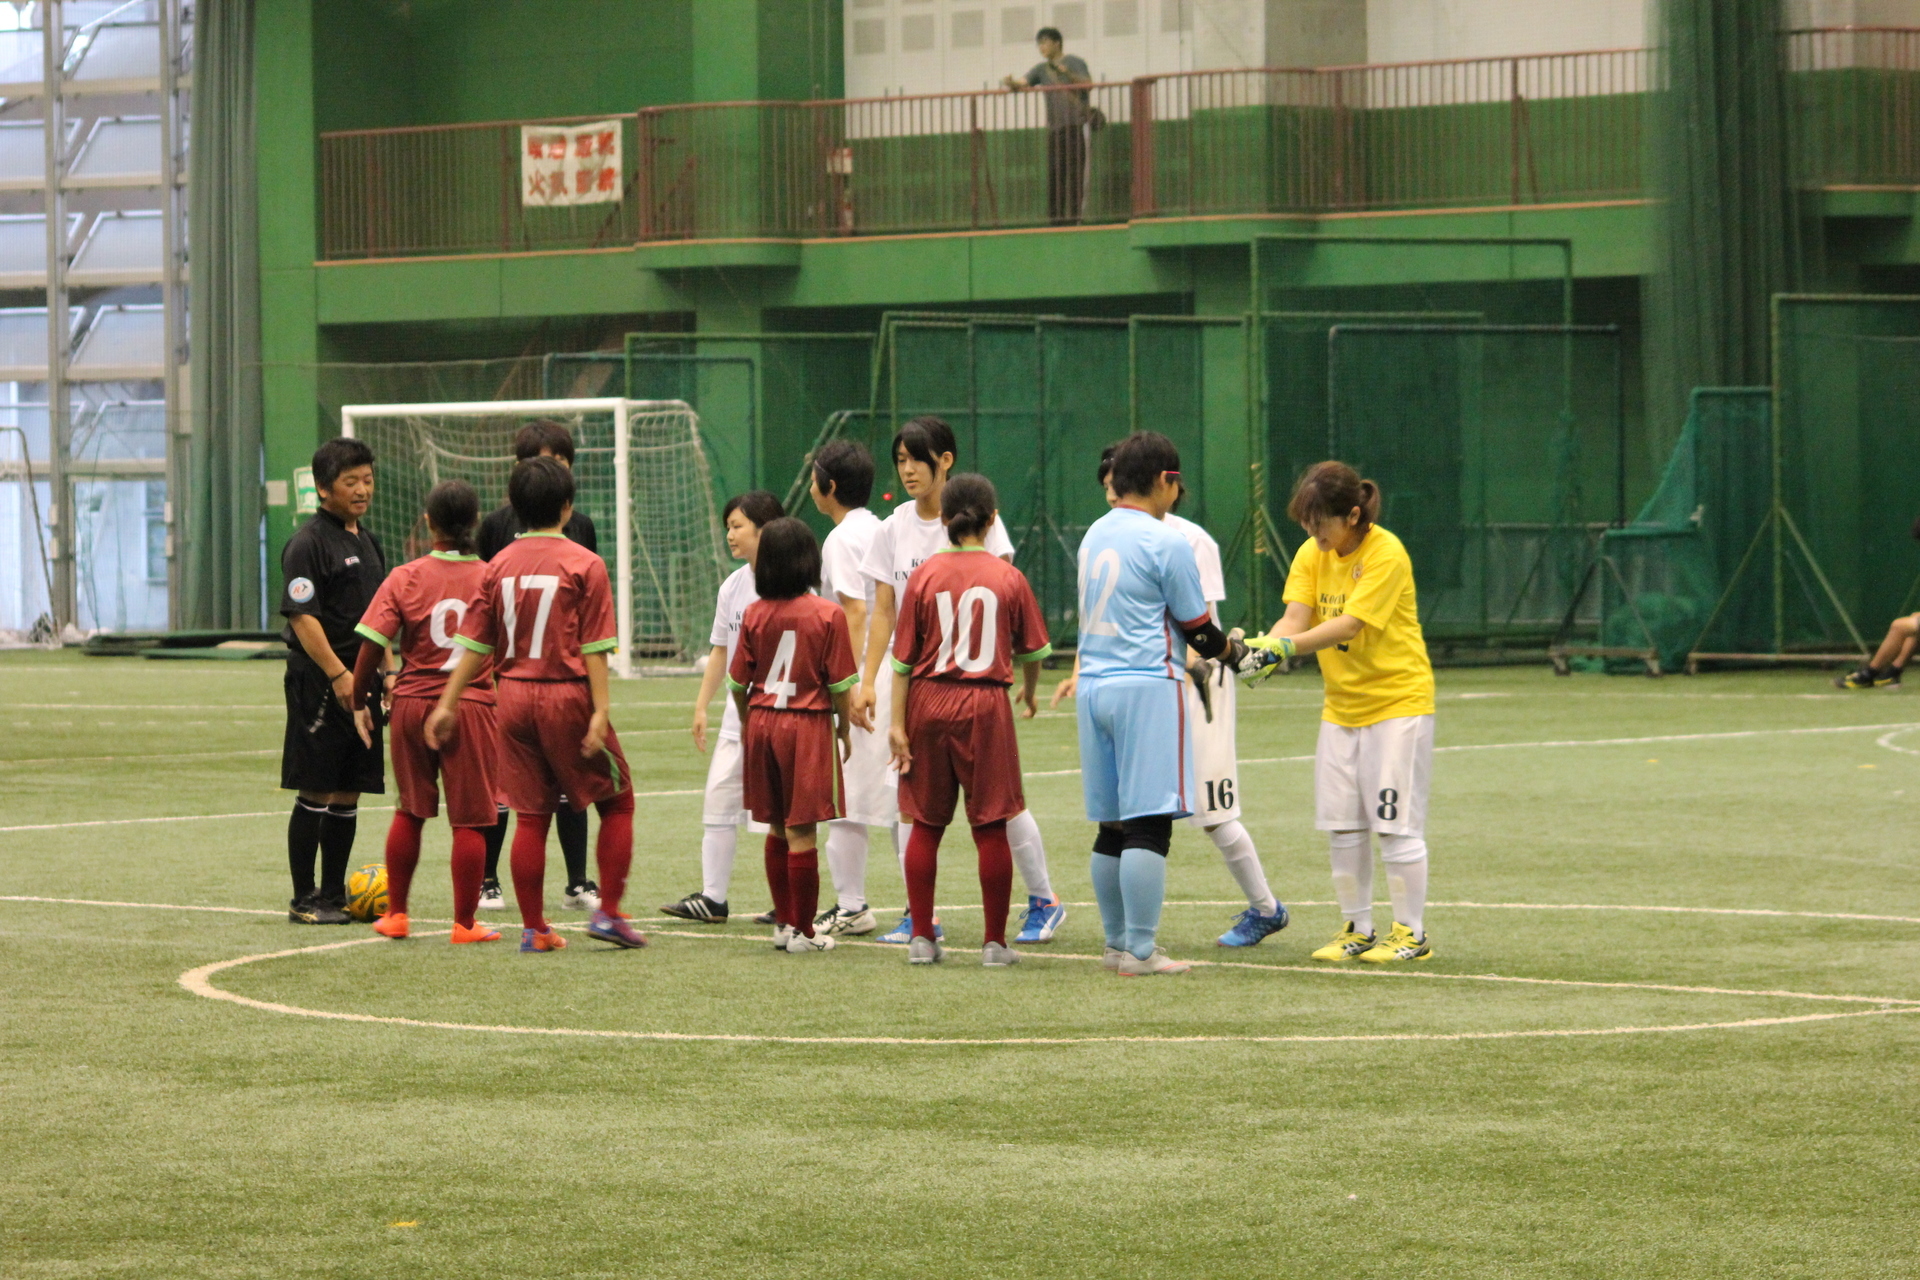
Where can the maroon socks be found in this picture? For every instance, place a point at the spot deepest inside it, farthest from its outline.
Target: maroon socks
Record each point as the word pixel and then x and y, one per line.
pixel 403 855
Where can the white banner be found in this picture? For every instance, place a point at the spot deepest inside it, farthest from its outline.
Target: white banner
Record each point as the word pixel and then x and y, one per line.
pixel 570 164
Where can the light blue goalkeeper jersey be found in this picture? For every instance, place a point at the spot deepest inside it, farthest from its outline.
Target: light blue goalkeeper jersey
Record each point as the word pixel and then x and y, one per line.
pixel 1139 588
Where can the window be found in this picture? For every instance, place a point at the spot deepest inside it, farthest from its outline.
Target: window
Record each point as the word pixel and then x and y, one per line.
pixel 1018 24
pixel 917 33
pixel 1123 18
pixel 869 36
pixel 1071 19
pixel 970 29
pixel 1175 15
pixel 156 514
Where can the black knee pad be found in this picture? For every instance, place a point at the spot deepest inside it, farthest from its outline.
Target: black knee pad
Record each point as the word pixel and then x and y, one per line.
pixel 1108 839
pixel 1155 833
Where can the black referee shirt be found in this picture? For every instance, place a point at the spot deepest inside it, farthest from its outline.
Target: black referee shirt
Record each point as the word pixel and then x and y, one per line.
pixel 331 575
pixel 501 527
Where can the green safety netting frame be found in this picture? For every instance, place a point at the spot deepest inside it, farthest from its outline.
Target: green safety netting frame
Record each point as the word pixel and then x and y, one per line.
pixel 1500 453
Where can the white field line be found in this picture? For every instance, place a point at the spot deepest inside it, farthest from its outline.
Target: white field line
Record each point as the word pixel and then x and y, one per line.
pixel 258 813
pixel 175 755
pixel 198 981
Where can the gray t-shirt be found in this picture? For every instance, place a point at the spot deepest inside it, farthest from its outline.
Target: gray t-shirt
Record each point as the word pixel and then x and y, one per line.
pixel 1064 110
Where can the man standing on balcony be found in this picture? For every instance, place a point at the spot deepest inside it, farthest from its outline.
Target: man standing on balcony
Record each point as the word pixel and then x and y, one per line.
pixel 1068 115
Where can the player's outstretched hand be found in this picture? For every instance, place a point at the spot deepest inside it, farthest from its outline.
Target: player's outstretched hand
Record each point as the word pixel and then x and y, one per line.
pixel 1200 671
pixel 1262 656
pixel 902 756
pixel 1065 689
pixel 439 728
pixel 596 740
pixel 860 706
pixel 700 728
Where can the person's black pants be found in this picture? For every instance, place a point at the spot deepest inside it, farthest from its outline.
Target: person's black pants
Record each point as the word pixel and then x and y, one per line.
pixel 1066 174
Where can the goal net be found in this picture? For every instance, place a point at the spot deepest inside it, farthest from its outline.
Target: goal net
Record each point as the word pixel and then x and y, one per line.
pixel 640 473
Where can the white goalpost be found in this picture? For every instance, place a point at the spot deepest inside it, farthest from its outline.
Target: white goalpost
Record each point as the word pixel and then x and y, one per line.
pixel 640 473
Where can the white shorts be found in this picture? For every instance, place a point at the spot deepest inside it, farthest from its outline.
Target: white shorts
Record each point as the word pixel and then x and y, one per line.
pixel 725 804
pixel 872 786
pixel 1216 759
pixel 1374 779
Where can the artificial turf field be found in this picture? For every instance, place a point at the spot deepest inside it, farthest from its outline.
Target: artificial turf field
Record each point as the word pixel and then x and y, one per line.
pixel 1727 892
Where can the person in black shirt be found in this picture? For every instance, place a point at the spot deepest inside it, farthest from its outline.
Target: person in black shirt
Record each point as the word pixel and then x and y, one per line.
pixel 332 567
pixel 542 439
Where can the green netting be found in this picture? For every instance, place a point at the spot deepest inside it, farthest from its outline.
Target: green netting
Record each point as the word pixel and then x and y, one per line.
pixel 1663 574
pixel 1499 452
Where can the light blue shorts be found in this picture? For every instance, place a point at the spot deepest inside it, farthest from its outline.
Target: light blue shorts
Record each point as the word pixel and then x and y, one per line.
pixel 1136 748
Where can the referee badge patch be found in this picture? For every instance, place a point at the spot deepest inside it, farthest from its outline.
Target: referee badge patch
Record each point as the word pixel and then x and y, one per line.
pixel 300 590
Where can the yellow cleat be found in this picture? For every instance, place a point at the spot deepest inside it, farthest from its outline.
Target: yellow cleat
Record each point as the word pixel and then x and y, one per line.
pixel 1345 947
pixel 1401 944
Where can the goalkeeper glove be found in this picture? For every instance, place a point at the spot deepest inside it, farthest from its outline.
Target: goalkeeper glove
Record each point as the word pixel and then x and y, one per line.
pixel 1201 673
pixel 1263 655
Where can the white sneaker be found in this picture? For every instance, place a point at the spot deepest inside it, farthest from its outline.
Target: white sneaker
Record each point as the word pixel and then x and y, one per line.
pixel 491 899
pixel 584 896
pixel 837 920
pixel 782 934
pixel 799 944
pixel 1156 965
pixel 996 956
pixel 924 951
pixel 1110 957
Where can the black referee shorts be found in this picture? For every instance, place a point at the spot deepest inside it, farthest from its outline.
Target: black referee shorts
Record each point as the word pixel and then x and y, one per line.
pixel 323 752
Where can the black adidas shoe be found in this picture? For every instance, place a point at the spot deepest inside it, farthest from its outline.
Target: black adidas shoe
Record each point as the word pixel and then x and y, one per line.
pixel 769 916
pixel 698 906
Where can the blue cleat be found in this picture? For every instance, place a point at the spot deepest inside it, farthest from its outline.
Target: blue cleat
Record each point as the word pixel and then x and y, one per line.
pixel 902 933
pixel 1043 920
pixel 1249 927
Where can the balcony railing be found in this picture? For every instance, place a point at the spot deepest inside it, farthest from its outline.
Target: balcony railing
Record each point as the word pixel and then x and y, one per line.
pixel 1545 129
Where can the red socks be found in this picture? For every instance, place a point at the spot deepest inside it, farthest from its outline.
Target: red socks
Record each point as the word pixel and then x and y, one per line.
pixel 469 864
pixel 996 878
pixel 803 887
pixel 530 868
pixel 403 855
pixel 776 862
pixel 613 849
pixel 923 858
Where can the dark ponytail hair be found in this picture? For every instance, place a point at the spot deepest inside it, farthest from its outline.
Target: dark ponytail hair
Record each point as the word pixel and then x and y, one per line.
pixel 1331 491
pixel 454 508
pixel 787 565
pixel 967 505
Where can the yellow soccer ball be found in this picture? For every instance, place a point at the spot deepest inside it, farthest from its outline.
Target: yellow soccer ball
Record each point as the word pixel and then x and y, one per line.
pixel 367 892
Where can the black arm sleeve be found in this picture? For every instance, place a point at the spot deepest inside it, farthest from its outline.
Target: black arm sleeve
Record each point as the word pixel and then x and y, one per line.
pixel 1207 639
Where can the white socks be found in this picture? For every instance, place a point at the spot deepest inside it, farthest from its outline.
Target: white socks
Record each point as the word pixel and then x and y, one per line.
pixel 847 862
pixel 1243 861
pixel 902 832
pixel 717 845
pixel 1351 853
pixel 1406 859
pixel 1029 854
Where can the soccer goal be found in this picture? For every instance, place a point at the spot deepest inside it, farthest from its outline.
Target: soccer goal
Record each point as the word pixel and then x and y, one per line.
pixel 640 472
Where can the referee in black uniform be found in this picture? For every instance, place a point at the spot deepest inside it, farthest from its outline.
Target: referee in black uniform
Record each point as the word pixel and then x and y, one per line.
pixel 542 440
pixel 332 567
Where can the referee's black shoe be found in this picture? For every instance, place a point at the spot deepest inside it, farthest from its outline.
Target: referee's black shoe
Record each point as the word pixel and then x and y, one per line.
pixel 698 906
pixel 311 908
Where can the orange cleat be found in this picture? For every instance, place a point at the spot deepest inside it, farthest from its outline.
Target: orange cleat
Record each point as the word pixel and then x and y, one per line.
pixel 392 925
pixel 478 933
pixel 545 940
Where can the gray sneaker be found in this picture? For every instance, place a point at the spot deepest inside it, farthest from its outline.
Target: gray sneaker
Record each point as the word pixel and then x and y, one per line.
pixel 996 956
pixel 837 920
pixel 1155 965
pixel 924 951
pixel 1110 957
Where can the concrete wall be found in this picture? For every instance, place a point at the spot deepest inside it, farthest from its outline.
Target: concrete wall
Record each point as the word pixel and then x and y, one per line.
pixel 1419 30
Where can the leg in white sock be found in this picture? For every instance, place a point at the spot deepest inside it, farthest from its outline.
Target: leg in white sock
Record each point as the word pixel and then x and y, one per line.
pixel 1243 863
pixel 1029 854
pixel 1406 859
pixel 717 845
pixel 847 862
pixel 1351 853
pixel 902 832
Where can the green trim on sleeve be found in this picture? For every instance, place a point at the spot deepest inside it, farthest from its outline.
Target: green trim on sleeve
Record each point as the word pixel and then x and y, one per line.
pixel 601 646
pixel 473 645
pixel 900 668
pixel 369 633
pixel 735 685
pixel 841 686
pixel 1044 651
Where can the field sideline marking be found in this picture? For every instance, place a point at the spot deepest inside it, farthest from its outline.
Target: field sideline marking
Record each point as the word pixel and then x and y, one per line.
pixel 198 982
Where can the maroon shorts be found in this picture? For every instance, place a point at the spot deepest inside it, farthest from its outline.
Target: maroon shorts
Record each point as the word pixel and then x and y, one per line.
pixel 792 767
pixel 961 736
pixel 542 723
pixel 465 765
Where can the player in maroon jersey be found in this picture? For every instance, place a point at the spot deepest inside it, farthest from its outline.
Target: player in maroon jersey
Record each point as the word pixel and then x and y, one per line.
pixel 544 615
pixel 967 617
pixel 418 608
pixel 792 676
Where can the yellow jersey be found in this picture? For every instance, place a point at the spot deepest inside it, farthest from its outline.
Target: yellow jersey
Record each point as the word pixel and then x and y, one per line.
pixel 1383 672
